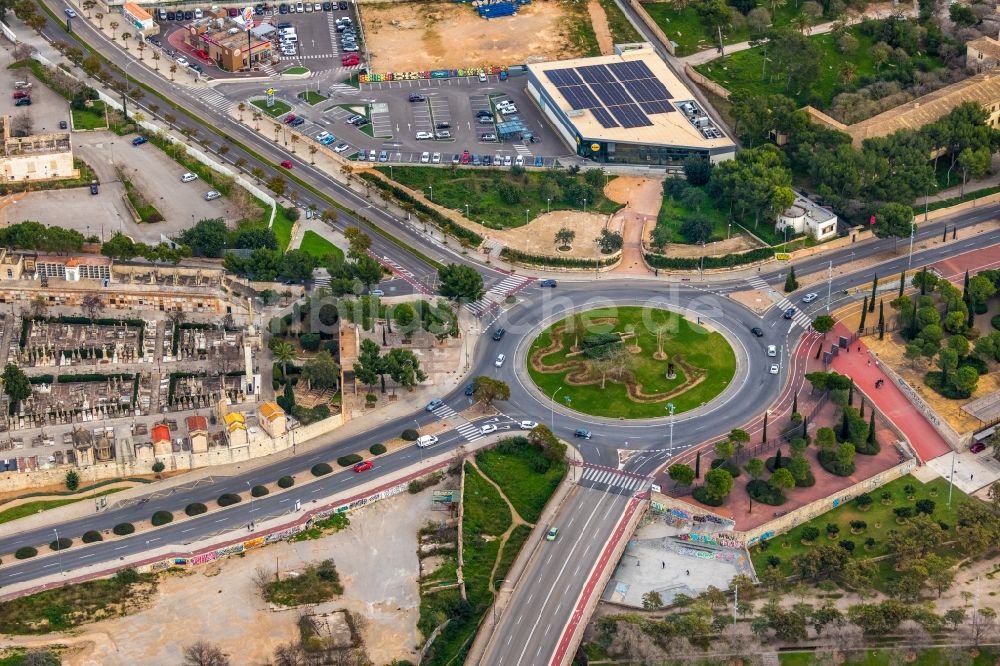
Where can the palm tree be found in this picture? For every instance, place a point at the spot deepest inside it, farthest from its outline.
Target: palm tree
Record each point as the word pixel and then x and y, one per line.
pixel 142 47
pixel 295 139
pixel 277 133
pixel 312 153
pixel 36 22
pixel 173 70
pixel 801 23
pixel 125 37
pixel 283 353
pixel 239 163
pixel 223 149
pixel 241 107
pixel 257 115
pixel 257 173
pixel 170 118
pixel 156 61
pixel 88 5
pixel 114 30
pixel 848 72
pixel 100 20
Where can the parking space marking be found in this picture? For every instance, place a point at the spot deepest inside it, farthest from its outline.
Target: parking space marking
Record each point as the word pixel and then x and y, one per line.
pixel 381 120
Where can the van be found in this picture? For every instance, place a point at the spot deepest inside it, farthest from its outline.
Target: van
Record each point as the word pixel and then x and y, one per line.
pixel 292 38
pixel 426 440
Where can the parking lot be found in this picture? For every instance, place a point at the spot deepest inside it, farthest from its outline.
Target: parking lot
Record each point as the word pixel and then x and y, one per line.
pixel 46 109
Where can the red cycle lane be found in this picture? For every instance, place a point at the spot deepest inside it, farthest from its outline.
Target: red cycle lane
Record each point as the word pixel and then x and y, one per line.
pixel 588 589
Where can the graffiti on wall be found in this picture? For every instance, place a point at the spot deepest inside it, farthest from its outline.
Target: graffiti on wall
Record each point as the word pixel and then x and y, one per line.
pixel 363 501
pixel 161 565
pixel 253 543
pixel 723 540
pixel 709 518
pixel 230 550
pixel 281 535
pixel 760 537
pixel 203 558
pixel 723 555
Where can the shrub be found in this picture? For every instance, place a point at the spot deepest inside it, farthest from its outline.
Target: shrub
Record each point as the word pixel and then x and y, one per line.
pixel 410 435
pixel 864 501
pixel 763 492
pixel 810 533
pixel 62 543
pixel 92 536
pixel 319 469
pixel 858 526
pixel 286 482
pixel 903 512
pixel 195 509
pixel 376 449
pixel 229 499
pixel 560 262
pixel 847 545
pixel 162 518
pixel 693 263
pixel 122 529
pixel 867 448
pixel 702 496
pixel 259 491
pixel 25 552
pixel 158 467
pixel 348 460
pixel 995 322
pixel 828 461
pixel 728 465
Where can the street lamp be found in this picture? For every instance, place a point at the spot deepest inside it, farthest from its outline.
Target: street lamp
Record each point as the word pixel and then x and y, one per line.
pixel 526 211
pixel 552 409
pixel 466 210
pixel 59 551
pixel 670 408
pixel 548 205
pixel 584 205
pixel 432 191
pixel 251 506
pixel 125 94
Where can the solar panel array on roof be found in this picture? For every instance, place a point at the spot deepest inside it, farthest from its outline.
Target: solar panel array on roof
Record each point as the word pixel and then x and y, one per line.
pixel 617 94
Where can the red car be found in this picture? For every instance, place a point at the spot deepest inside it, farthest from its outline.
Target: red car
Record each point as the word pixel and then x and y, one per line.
pixel 977 447
pixel 351 59
pixel 289 118
pixel 19 94
pixel 466 157
pixel 286 163
pixel 363 466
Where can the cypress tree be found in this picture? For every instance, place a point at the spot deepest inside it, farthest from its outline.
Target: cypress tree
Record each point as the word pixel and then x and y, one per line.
pixel 845 427
pixel 864 315
pixel 777 459
pixel 871 301
pixel 871 429
pixel 902 283
pixel 965 288
pixel 881 320
pixel 850 394
pixel 697 466
pixel 805 428
pixel 954 232
pixel 944 235
pixel 791 284
pixel 795 403
pixel 923 280
pixel 862 407
pixel 764 438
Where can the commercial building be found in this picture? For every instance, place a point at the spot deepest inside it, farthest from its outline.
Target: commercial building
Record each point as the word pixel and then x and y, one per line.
pixel 36 156
pixel 808 217
pixel 232 50
pixel 626 108
pixel 141 21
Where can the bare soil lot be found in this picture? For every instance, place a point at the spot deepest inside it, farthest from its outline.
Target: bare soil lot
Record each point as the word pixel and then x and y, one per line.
pixel 444 35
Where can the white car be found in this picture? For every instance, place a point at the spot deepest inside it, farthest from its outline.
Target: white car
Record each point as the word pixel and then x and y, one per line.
pixel 519 160
pixel 423 136
pixel 341 147
pixel 426 440
pixel 212 195
pixel 772 350
pixel 506 160
pixel 425 158
pixel 774 368
pixel 183 62
pixel 810 297
pixel 500 359
pixel 436 158
pixel 322 135
pixel 187 177
pixel 488 428
pixel 528 425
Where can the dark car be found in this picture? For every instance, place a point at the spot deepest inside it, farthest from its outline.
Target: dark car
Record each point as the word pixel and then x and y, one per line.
pixel 179 16
pixel 188 16
pixel 539 161
pixel 196 67
pixel 757 331
pixel 484 113
pixel 977 447
pixel 548 283
pixel 139 140
pixel 170 15
pixel 443 125
pixel 499 333
pixel 582 432
pixel 789 313
pixel 24 101
pixel 342 4
pixel 470 389
pixel 285 24
pixel 282 8
pixel 416 97
pixel 487 160
pixel 93 187
pixel 233 12
pixel 327 6
pixel 298 121
pixel 63 124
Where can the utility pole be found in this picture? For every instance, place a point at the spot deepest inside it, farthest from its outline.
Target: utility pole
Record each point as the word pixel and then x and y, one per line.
pixel 670 408
pixel 913 232
pixel 829 285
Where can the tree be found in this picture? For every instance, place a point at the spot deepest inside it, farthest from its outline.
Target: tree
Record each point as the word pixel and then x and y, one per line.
pixel 826 439
pixel 609 241
pixel 487 390
pixel 962 15
pixel 681 474
pixel 864 315
pixel 823 324
pixel 207 238
pixel 283 353
pixel 565 237
pixel 321 371
pixel 72 480
pixel 881 319
pixel 460 282
pixel 893 220
pixel 404 315
pixel 697 227
pixel 981 289
pixel 697 169
pixel 204 653
pixel 782 479
pixel 403 367
pixel 542 437
pixel 755 468
pixel 358 242
pixel 718 484
pixel 92 304
pixel 652 600
pixel 965 380
pixel 158 467
pixel 15 385
pixel 791 284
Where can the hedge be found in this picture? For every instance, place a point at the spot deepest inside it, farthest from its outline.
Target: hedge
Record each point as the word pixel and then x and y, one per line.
pixel 763 492
pixel 701 495
pixel 92 536
pixel 319 469
pixel 995 322
pixel 410 435
pixel 62 543
pixel 728 465
pixel 377 449
pixel 121 529
pixel 259 491
pixel 559 262
pixel 286 482
pixel 423 210
pixel 195 509
pixel 25 552
pixel 347 461
pixel 229 499
pixel 695 263
pixel 162 518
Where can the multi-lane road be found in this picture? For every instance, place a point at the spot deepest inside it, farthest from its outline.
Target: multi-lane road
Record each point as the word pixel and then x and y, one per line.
pixel 528 629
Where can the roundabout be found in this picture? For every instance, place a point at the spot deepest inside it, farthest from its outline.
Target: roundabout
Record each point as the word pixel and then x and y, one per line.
pixel 630 362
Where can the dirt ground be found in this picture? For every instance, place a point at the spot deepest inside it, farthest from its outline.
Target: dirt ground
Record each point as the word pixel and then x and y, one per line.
pixel 538 236
pixel 599 19
pixel 642 198
pixel 445 35
pixel 375 556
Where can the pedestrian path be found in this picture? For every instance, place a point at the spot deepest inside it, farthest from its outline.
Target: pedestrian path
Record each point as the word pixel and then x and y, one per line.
pixel 800 318
pixel 467 430
pixel 758 282
pixel 914 424
pixel 611 480
pixel 405 274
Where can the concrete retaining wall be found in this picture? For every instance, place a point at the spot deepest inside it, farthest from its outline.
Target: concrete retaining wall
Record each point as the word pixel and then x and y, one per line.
pixel 705 82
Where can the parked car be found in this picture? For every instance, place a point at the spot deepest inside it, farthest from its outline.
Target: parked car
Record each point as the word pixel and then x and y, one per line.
pixel 342 4
pixel 183 62
pixel 383 156
pixel 456 159
pixel 139 140
pixel 198 14
pixel 486 120
pixel 425 157
pixel 519 160
pixel 476 160
pixel 93 187
pixel 63 124
pixel 298 121
pixel 212 195
pixel 286 163
pixel 187 177
pixel 24 101
pixel 376 292
pixel 443 134
pixel 327 6
pixel 20 94
pixel 423 136
pixel 341 147
pixel 170 15
pixel 363 466
pixel 539 161
pixel 487 136
pixel 289 118
pixel 351 48
pixel 482 113
pixel 506 160
pixel 188 16
pixel 350 59
pixel 583 433
pixel 977 447
pixel 372 155
pixel 434 404
pixel 487 160
pixel 282 8
pixel 417 97
pixel 322 135
pixel 466 158
pixel 328 140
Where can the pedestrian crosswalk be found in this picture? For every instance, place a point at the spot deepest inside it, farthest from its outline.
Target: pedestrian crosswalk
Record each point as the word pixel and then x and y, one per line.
pixel 521 149
pixel 467 430
pixel 343 89
pixel 211 97
pixel 499 291
pixel 614 480
pixel 800 318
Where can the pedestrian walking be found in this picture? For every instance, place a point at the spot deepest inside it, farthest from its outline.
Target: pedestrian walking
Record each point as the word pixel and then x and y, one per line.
pixel 637 563
pixel 869 363
pixel 663 565
pixel 859 349
pixel 688 572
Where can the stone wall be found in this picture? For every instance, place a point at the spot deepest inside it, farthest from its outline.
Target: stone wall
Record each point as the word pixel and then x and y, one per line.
pixel 705 82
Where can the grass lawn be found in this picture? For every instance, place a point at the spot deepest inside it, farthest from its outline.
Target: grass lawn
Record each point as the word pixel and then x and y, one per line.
pixel 312 97
pixel 282 228
pixel 279 109
pixel 147 212
pixel 579 29
pixel 67 607
pixel 512 470
pixel 880 519
pixel 314 584
pixel 693 343
pixel 454 188
pixel 687 29
pixel 298 69
pixel 30 508
pixel 931 657
pixel 92 118
pixel 673 211
pixel 622 32
pixel 320 247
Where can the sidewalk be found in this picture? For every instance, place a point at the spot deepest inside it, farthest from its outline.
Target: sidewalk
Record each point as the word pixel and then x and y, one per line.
pixel 922 436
